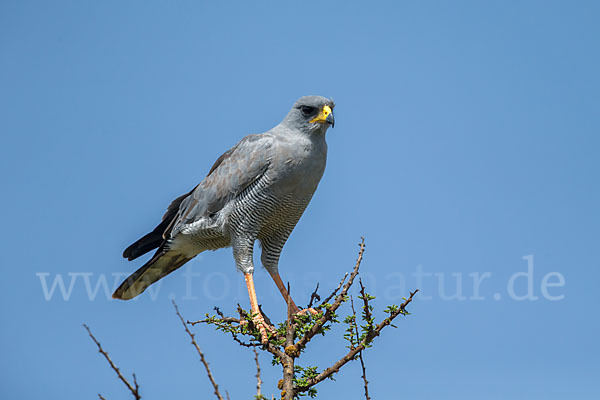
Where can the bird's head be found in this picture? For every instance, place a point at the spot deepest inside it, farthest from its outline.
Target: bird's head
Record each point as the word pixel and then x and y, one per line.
pixel 312 114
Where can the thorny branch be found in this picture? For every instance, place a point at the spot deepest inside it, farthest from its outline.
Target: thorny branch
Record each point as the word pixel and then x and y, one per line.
pixel 225 322
pixel 314 296
pixel 134 389
pixel 200 353
pixel 360 356
pixel 326 301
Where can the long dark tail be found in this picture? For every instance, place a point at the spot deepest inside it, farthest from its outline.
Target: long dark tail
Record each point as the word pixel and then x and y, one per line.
pixel 160 265
pixel 155 239
pixel 149 242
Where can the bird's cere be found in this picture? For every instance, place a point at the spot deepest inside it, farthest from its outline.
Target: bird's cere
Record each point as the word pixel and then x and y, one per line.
pixel 322 118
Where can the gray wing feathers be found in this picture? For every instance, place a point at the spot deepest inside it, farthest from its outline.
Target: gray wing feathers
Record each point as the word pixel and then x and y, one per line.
pixel 233 172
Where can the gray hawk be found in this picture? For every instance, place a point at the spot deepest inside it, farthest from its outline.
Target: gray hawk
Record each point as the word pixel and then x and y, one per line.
pixel 257 190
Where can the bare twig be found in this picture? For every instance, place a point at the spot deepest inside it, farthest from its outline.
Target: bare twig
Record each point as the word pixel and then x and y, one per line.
pixel 258 380
pixel 265 316
pixel 364 375
pixel 220 314
pixel 202 358
pixel 101 397
pixel 135 390
pixel 314 296
pixel 334 291
pixel 360 356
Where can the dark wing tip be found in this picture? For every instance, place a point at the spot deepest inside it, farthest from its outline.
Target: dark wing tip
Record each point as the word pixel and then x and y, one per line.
pixel 127 253
pixel 130 253
pixel 149 242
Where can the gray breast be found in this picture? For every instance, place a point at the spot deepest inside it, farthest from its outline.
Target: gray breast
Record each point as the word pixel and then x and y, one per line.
pixel 273 205
pixel 263 211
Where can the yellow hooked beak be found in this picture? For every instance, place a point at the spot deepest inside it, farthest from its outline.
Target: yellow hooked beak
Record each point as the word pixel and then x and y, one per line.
pixel 325 116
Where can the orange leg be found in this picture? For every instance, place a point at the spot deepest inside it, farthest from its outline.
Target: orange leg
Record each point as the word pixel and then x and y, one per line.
pixel 283 291
pixel 285 294
pixel 258 319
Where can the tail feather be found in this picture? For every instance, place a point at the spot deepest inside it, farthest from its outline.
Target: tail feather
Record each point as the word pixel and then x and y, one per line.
pixel 160 265
pixel 156 238
pixel 149 242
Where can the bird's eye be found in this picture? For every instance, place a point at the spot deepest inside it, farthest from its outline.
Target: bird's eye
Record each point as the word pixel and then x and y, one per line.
pixel 307 110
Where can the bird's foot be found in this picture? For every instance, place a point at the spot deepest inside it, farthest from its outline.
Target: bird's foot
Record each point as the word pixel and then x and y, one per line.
pixel 306 311
pixel 263 327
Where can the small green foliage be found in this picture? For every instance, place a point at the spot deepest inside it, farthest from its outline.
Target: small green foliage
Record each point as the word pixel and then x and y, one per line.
pixel 302 376
pixel 391 309
pixel 350 332
pixel 366 296
pixel 367 317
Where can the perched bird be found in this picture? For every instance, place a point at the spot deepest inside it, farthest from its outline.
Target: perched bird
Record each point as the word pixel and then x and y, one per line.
pixel 258 189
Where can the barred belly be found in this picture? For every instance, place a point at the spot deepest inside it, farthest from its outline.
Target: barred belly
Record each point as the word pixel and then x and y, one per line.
pixel 259 213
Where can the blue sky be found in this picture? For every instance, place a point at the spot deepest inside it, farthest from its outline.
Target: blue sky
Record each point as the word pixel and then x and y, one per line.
pixel 465 149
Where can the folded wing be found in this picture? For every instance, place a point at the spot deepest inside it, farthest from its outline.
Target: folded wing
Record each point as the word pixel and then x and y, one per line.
pixel 233 172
